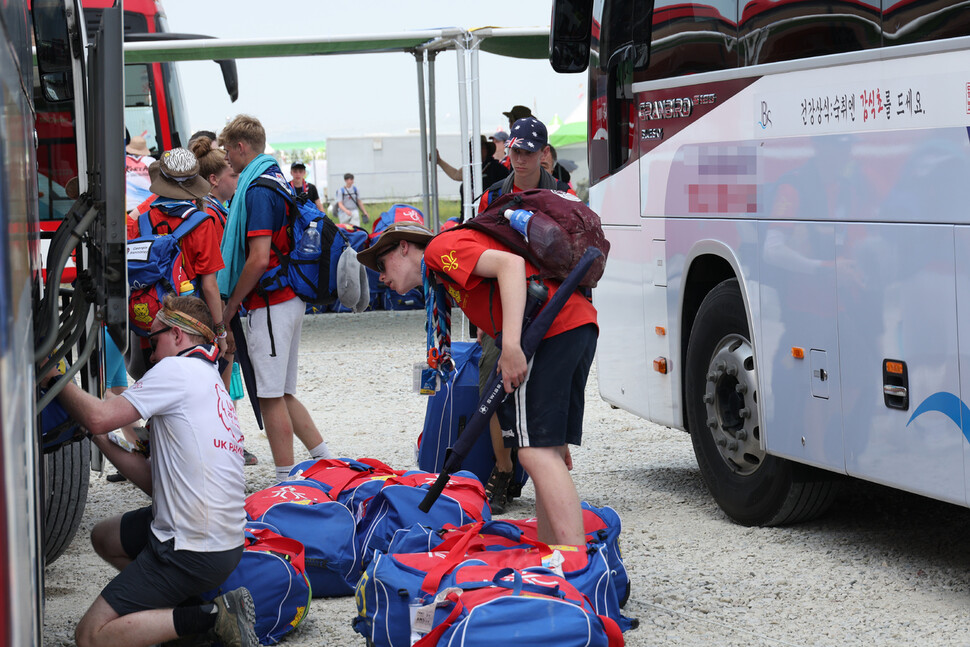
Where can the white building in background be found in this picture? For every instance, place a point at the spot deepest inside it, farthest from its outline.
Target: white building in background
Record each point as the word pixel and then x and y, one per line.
pixel 388 167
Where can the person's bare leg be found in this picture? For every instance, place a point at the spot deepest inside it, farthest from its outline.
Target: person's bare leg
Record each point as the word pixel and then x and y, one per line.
pixel 106 541
pixel 101 626
pixel 503 454
pixel 279 429
pixel 558 511
pixel 303 426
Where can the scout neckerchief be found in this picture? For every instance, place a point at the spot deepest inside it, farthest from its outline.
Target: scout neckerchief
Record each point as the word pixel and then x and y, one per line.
pixel 438 325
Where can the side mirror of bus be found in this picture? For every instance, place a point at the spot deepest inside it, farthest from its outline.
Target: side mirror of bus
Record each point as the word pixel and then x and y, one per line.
pixel 53 40
pixel 569 35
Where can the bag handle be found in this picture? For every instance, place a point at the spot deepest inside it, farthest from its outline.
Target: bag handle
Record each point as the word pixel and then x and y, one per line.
pixel 266 540
pixel 431 638
pixel 455 555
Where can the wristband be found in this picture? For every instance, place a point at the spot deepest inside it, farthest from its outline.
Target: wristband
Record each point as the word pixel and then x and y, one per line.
pixel 222 335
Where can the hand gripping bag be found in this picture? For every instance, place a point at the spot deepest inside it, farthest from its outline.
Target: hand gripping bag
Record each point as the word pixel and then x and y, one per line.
pixel 348 481
pixel 501 543
pixel 272 569
pixel 484 605
pixel 395 506
pixel 302 510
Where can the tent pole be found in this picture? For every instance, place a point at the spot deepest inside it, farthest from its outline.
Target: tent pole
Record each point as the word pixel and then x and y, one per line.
pixel 419 58
pixel 466 171
pixel 476 127
pixel 433 139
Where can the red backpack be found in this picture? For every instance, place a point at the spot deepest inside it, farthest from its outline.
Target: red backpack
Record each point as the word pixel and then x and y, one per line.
pixel 562 227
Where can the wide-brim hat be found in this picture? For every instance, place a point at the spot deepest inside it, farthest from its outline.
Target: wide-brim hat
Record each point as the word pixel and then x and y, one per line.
pixel 176 175
pixel 395 232
pixel 138 146
pixel 353 287
pixel 518 112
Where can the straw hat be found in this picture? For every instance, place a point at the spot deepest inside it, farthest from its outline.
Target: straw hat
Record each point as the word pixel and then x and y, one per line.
pixel 176 175
pixel 138 146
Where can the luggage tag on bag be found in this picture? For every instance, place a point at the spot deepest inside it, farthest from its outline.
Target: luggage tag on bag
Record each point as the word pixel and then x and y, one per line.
pixel 425 380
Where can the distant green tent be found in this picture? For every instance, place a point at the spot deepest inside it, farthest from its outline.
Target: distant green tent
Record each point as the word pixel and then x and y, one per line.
pixel 566 134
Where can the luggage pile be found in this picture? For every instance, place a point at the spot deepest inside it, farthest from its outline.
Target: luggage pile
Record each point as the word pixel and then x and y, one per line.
pixel 343 527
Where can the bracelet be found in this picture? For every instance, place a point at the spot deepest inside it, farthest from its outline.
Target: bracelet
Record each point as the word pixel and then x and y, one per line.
pixel 222 335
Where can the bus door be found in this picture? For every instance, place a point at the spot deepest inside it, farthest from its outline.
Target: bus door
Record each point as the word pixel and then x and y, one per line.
pixel 899 301
pixel 798 348
pixel 615 45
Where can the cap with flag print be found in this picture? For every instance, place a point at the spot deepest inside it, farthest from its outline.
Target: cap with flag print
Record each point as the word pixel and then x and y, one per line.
pixel 528 134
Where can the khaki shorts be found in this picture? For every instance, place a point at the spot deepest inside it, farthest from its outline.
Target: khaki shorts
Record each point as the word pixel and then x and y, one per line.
pixel 275 375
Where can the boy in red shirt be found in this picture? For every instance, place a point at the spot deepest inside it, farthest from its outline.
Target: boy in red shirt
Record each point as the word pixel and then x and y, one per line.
pixel 544 414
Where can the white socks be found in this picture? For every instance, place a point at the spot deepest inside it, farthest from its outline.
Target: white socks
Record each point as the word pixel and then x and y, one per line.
pixel 283 472
pixel 321 451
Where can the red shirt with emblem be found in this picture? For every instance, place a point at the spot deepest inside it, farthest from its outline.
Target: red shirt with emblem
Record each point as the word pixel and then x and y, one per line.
pixel 454 254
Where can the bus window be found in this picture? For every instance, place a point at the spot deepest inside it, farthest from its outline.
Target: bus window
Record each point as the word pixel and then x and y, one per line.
pixel 692 38
pixel 139 106
pixel 612 117
pixel 907 21
pixel 790 29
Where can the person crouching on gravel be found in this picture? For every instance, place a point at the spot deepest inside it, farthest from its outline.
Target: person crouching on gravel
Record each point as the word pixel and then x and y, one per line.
pixel 544 414
pixel 191 538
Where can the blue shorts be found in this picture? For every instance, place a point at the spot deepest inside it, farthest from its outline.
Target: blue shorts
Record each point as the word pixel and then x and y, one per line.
pixel 547 408
pixel 114 364
pixel 161 577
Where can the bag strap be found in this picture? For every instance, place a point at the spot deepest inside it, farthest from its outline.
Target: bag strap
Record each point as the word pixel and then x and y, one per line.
pixel 454 557
pixel 431 638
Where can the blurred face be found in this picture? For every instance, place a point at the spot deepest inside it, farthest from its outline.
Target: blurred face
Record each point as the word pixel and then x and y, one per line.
pixel 398 269
pixel 224 183
pixel 238 155
pixel 162 341
pixel 349 182
pixel 298 175
pixel 547 162
pixel 525 163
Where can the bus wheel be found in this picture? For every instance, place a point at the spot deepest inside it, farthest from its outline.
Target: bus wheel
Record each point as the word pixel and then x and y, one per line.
pixel 751 487
pixel 66 474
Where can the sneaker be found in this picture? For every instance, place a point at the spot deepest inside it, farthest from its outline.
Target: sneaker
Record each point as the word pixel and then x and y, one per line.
pixel 249 459
pixel 235 624
pixel 117 477
pixel 496 490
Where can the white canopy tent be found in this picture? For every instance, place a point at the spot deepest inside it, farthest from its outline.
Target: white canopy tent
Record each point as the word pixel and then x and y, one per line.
pixel 423 45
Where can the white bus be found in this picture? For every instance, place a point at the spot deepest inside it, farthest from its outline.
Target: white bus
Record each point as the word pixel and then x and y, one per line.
pixel 786 188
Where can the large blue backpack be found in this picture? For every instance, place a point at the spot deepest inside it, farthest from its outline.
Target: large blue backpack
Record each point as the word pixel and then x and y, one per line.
pixel 155 267
pixel 308 273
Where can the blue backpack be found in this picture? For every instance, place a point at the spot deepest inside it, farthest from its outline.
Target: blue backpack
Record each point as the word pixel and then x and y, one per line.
pixel 302 510
pixel 307 270
pixel 272 569
pixel 155 267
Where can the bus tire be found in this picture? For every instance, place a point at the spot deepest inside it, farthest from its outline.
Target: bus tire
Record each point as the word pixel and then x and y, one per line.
pixel 750 486
pixel 66 473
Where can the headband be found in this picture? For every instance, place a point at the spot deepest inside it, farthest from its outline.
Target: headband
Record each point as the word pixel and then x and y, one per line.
pixel 186 323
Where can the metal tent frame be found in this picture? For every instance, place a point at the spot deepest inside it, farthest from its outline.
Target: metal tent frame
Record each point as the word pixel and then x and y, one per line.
pixel 424 45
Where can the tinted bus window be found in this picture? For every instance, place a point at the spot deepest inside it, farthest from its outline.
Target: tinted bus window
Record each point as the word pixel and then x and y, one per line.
pixel 688 38
pixel 912 21
pixel 783 30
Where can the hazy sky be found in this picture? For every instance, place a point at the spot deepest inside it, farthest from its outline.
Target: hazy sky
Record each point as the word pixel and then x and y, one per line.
pixel 312 98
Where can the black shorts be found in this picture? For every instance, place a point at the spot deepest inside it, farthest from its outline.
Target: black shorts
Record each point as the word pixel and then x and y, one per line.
pixel 161 577
pixel 547 408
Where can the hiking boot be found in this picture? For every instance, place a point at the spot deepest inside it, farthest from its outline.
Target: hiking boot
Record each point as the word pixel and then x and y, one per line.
pixel 496 490
pixel 235 624
pixel 249 459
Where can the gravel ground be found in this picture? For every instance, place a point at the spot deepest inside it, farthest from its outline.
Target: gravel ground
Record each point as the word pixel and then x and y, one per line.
pixel 882 568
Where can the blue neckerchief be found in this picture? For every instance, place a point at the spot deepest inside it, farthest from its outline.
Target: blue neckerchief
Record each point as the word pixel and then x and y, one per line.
pixel 234 237
pixel 174 208
pixel 206 352
pixel 220 208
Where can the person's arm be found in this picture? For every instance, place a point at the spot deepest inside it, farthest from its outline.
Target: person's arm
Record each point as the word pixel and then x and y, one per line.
pixel 210 294
pixel 340 201
pixel 509 270
pixel 256 263
pixel 94 414
pixel 133 465
pixel 452 172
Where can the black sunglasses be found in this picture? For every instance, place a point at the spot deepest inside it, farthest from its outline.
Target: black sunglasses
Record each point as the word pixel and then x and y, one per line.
pixel 379 261
pixel 151 336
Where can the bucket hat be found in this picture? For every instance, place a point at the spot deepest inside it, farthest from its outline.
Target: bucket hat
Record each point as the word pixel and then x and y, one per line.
pixel 176 175
pixel 395 232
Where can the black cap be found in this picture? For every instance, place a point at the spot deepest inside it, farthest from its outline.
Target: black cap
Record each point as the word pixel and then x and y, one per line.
pixel 298 165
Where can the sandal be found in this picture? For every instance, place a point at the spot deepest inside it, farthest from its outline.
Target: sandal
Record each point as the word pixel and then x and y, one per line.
pixel 496 490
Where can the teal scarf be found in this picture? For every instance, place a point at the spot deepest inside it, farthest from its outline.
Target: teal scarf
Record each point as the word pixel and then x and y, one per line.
pixel 234 238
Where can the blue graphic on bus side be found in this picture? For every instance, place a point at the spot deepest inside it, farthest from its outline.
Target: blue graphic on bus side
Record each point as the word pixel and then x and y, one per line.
pixel 950 406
